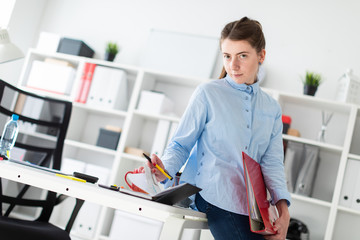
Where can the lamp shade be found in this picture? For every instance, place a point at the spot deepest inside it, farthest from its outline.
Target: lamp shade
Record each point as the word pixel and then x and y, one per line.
pixel 8 51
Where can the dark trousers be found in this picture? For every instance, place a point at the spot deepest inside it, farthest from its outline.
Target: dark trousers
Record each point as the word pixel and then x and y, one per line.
pixel 226 225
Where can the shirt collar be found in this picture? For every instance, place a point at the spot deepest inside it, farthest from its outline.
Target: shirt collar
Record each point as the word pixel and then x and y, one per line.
pixel 253 88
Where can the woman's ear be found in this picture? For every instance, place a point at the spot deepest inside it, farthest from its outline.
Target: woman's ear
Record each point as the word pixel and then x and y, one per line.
pixel 262 56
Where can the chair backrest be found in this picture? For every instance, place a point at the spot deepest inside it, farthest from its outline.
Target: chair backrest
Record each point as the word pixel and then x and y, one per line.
pixel 43 123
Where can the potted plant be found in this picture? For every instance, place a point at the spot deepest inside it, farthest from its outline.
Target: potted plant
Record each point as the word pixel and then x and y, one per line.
pixel 311 83
pixel 111 51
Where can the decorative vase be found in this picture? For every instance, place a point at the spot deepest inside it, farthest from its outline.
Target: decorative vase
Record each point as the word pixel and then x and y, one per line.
pixel 109 56
pixel 310 90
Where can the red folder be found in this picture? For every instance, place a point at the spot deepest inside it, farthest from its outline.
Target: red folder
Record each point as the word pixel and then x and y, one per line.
pixel 82 81
pixel 86 79
pixel 262 214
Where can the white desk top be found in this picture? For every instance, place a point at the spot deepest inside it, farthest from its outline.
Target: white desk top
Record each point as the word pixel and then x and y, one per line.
pixel 93 193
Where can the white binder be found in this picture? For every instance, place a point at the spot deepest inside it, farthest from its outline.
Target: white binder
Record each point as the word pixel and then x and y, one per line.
pixel 294 159
pixel 32 108
pixel 350 179
pixel 355 183
pixel 161 137
pixel 108 89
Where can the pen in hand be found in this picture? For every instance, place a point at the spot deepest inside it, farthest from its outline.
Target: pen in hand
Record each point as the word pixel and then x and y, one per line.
pixel 158 167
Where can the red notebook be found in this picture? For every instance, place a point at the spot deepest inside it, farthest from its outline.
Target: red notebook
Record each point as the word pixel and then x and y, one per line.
pixel 262 214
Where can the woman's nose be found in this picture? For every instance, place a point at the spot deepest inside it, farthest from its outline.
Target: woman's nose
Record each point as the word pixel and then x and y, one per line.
pixel 234 64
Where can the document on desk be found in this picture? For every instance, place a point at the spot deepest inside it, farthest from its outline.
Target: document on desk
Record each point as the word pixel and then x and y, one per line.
pixel 146 182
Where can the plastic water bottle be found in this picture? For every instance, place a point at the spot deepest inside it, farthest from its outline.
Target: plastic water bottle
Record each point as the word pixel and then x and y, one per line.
pixel 9 136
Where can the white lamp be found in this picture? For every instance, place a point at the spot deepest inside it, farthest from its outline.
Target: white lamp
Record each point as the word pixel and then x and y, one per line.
pixel 8 51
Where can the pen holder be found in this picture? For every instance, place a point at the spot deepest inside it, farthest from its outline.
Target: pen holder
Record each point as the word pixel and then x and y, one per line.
pixel 131 185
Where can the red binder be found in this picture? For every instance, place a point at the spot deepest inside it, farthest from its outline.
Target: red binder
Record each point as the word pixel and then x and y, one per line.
pixel 262 214
pixel 85 84
pixel 82 81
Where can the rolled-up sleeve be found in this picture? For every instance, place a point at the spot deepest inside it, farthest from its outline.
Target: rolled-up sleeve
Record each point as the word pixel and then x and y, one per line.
pixel 272 164
pixel 190 128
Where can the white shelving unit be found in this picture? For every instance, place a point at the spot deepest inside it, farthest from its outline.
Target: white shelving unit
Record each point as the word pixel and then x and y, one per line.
pixel 324 216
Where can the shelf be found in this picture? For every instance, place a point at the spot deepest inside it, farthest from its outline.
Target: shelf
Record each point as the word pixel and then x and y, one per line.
pixel 354 156
pixel 90 147
pixel 314 102
pixel 156 116
pixel 46 94
pixel 21 216
pixel 110 112
pixel 330 147
pixel 349 210
pixel 311 200
pixel 37 135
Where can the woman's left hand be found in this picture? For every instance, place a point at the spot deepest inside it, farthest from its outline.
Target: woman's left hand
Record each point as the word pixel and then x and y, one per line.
pixel 282 223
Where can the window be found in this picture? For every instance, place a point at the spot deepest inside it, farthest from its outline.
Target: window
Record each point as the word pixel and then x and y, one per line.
pixel 6 9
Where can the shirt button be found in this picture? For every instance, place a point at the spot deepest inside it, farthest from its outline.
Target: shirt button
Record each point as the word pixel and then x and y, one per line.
pixel 247 110
pixel 202 154
pixel 246 98
pixel 198 173
pixel 248 126
pixel 201 164
pixel 245 147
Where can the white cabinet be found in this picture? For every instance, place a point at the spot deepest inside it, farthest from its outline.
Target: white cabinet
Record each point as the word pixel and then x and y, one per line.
pixel 325 217
pixel 321 211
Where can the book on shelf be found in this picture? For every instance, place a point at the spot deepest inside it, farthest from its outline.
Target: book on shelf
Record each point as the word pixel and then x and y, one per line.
pixel 32 108
pixel 85 82
pixel 52 76
pixel 20 102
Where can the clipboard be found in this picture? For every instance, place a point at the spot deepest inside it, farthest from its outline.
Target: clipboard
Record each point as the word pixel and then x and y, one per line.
pixel 262 214
pixel 169 196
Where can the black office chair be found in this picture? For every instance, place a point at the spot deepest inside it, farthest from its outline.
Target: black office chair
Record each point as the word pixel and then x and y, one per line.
pixel 43 123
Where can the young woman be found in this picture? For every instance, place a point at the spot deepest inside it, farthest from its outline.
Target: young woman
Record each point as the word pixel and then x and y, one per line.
pixel 226 117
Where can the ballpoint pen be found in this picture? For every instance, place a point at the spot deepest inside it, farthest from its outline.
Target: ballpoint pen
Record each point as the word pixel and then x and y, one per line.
pixel 158 167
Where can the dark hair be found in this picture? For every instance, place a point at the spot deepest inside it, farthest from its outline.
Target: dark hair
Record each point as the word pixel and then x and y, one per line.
pixel 244 29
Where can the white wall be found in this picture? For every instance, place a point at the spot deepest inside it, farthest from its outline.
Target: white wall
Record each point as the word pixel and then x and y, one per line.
pixel 320 36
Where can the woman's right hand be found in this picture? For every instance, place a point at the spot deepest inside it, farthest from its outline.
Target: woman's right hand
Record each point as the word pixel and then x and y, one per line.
pixel 155 160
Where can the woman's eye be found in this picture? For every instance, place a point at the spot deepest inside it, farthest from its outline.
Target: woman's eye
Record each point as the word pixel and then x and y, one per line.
pixel 226 57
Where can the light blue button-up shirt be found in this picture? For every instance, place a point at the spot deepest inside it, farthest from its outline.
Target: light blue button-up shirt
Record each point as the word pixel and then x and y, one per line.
pixel 225 119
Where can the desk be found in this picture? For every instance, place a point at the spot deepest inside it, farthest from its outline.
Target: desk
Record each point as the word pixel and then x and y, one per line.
pixel 175 219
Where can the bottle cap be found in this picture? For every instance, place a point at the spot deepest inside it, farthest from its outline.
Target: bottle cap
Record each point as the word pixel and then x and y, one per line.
pixel 15 117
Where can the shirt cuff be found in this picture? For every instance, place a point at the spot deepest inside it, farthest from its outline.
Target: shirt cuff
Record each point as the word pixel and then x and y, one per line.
pixel 279 195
